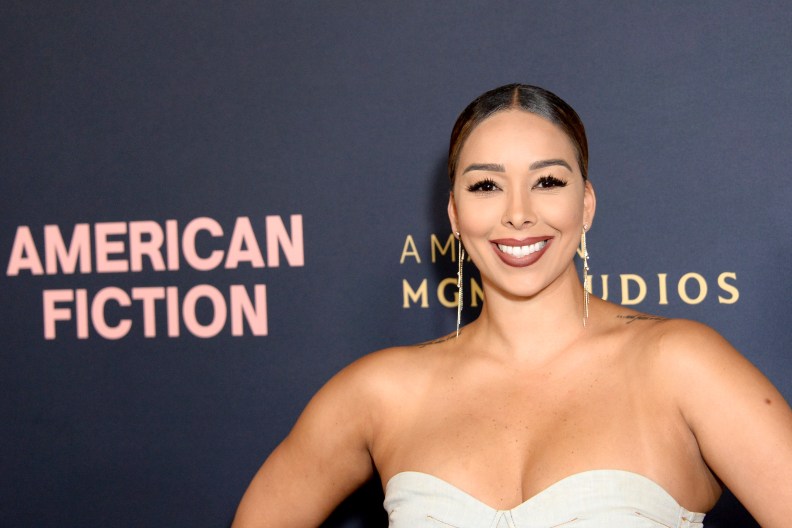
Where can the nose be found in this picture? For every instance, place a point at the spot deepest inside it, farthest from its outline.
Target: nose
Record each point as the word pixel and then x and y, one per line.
pixel 518 211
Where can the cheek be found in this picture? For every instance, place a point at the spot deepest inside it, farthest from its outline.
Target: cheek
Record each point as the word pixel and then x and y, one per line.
pixel 563 218
pixel 563 213
pixel 477 218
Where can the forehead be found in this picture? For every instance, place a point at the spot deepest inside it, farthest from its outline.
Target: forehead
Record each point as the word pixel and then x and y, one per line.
pixel 515 134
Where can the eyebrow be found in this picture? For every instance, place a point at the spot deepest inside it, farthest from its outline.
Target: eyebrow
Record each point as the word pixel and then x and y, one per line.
pixel 541 164
pixel 491 167
pixel 496 167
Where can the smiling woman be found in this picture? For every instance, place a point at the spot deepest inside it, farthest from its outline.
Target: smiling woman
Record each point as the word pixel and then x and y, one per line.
pixel 527 209
pixel 552 408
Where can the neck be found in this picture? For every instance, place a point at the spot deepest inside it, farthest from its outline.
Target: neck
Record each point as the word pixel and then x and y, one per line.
pixel 530 328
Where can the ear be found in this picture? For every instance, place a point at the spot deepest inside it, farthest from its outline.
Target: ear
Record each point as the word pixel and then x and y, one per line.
pixel 589 203
pixel 452 212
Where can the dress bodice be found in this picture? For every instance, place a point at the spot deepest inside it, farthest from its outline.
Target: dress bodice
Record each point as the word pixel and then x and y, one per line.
pixel 591 499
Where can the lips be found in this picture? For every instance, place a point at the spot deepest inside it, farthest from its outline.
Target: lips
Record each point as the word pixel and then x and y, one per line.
pixel 521 253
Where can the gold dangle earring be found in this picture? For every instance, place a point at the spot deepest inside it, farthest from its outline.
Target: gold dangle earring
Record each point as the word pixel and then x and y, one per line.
pixel 585 254
pixel 461 256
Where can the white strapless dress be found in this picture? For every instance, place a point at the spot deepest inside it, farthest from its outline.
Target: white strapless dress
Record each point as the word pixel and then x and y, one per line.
pixel 591 499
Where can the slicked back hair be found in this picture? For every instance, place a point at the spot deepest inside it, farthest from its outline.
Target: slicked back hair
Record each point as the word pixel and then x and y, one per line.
pixel 524 97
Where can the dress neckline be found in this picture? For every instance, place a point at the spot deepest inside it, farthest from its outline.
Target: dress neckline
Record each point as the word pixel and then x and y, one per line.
pixel 616 473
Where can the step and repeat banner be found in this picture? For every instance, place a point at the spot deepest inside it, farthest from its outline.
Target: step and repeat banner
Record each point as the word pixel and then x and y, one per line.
pixel 208 209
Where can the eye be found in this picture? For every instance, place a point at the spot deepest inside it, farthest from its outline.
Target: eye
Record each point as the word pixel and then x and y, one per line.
pixel 483 186
pixel 549 182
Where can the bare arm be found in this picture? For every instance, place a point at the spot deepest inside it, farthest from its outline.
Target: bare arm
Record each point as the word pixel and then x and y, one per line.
pixel 741 422
pixel 322 460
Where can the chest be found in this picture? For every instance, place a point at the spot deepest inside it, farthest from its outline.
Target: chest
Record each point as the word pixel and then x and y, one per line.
pixel 504 430
pixel 526 413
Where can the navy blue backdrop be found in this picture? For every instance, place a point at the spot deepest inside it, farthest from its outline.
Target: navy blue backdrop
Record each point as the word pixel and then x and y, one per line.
pixel 208 209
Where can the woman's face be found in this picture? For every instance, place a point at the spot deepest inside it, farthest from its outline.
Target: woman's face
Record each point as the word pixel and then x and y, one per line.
pixel 519 201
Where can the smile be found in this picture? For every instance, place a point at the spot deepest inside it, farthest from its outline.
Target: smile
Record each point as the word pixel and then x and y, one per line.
pixel 522 251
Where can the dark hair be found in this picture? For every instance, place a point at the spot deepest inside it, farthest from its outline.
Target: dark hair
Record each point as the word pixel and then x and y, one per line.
pixel 519 97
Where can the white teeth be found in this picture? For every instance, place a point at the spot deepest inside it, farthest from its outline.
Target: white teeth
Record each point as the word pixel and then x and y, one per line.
pixel 522 251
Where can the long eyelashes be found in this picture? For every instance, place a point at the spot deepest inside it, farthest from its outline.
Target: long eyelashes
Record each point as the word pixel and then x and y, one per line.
pixel 485 185
pixel 489 185
pixel 549 182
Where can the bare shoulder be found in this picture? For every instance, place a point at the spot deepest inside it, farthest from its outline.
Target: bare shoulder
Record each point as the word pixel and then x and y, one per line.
pixel 674 343
pixel 684 352
pixel 692 350
pixel 381 362
pixel 385 372
pixel 679 354
pixel 708 373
